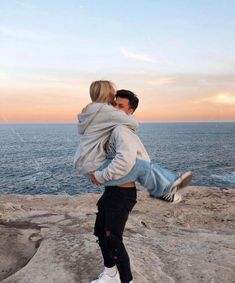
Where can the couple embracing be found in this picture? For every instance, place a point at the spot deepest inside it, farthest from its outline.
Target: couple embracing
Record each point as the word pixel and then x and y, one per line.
pixel 111 154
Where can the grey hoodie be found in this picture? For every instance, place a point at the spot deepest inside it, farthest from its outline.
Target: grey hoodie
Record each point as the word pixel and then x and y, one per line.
pixel 95 125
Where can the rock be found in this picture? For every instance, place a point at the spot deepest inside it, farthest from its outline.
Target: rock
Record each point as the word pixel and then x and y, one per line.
pixel 16 248
pixel 49 239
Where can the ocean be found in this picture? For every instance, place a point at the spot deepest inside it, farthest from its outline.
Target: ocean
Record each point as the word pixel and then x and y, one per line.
pixel 38 158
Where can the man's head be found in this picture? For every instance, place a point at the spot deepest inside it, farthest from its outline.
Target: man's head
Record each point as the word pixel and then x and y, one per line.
pixel 126 101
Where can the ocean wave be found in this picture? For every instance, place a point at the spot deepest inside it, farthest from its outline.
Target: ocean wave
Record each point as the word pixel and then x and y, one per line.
pixel 36 176
pixel 229 177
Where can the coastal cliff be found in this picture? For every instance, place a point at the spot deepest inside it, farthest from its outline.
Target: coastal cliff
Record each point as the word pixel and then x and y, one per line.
pixel 49 239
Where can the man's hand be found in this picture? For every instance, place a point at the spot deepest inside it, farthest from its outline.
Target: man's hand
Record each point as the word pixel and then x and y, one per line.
pixel 93 179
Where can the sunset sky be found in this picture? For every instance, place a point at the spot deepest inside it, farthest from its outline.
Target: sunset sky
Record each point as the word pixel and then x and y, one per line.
pixel 177 56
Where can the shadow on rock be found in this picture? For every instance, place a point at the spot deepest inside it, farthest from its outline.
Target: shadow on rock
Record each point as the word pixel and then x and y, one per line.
pixel 17 245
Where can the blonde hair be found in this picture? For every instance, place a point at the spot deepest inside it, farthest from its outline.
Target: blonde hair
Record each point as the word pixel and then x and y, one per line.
pixel 102 91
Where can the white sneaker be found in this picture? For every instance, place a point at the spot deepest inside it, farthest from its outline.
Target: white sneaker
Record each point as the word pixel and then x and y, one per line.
pixel 171 197
pixel 104 278
pixel 182 181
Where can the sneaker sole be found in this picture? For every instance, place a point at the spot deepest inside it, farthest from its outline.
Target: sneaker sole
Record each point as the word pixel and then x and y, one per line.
pixel 183 181
pixel 176 199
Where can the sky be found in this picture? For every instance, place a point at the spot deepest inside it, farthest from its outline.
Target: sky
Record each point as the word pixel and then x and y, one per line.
pixel 178 56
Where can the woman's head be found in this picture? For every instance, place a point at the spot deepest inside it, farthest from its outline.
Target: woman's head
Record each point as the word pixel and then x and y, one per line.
pixel 102 91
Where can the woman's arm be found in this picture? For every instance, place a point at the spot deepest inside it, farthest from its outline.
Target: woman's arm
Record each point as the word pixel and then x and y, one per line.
pixel 100 116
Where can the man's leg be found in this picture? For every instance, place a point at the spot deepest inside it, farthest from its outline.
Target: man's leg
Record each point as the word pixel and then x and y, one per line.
pixel 113 210
pixel 119 202
pixel 120 256
pixel 110 273
pixel 100 233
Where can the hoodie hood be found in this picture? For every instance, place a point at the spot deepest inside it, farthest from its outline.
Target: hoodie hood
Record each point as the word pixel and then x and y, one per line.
pixel 88 115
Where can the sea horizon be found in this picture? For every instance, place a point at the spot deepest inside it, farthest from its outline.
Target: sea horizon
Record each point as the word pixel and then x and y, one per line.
pixel 141 122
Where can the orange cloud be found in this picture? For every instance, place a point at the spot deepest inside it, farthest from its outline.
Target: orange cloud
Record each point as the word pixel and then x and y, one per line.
pixel 224 98
pixel 162 81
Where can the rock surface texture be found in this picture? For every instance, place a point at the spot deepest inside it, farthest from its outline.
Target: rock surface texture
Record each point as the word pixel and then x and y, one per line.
pixel 49 239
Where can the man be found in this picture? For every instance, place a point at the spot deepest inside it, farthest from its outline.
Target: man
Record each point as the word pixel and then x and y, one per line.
pixel 123 148
pixel 116 203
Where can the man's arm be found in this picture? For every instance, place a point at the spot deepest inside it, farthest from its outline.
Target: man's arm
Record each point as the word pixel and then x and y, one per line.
pixel 125 158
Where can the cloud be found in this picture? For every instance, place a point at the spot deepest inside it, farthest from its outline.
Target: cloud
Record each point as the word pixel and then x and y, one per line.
pixel 224 98
pixel 136 56
pixel 162 81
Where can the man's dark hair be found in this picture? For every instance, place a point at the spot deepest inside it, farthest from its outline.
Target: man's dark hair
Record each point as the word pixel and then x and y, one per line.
pixel 131 96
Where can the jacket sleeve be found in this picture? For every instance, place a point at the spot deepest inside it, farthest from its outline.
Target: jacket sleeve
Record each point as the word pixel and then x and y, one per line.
pixel 119 117
pixel 124 160
pixel 106 116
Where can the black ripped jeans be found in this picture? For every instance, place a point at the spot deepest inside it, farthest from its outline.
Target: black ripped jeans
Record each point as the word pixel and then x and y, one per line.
pixel 114 207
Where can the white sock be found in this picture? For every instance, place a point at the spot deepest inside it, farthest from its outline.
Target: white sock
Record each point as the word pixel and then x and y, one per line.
pixel 110 271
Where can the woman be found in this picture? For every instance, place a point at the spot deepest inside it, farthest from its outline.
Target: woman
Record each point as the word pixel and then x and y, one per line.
pixel 96 123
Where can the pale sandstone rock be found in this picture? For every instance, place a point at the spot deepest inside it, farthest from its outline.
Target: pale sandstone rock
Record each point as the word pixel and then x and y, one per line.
pixel 49 239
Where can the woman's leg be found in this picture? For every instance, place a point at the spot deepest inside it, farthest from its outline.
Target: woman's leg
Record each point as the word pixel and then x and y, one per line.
pixel 157 180
pixel 153 177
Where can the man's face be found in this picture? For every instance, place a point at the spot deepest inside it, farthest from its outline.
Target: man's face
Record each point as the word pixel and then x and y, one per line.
pixel 123 104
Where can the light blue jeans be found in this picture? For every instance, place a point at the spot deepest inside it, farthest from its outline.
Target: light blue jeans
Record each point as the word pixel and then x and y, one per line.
pixel 153 177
